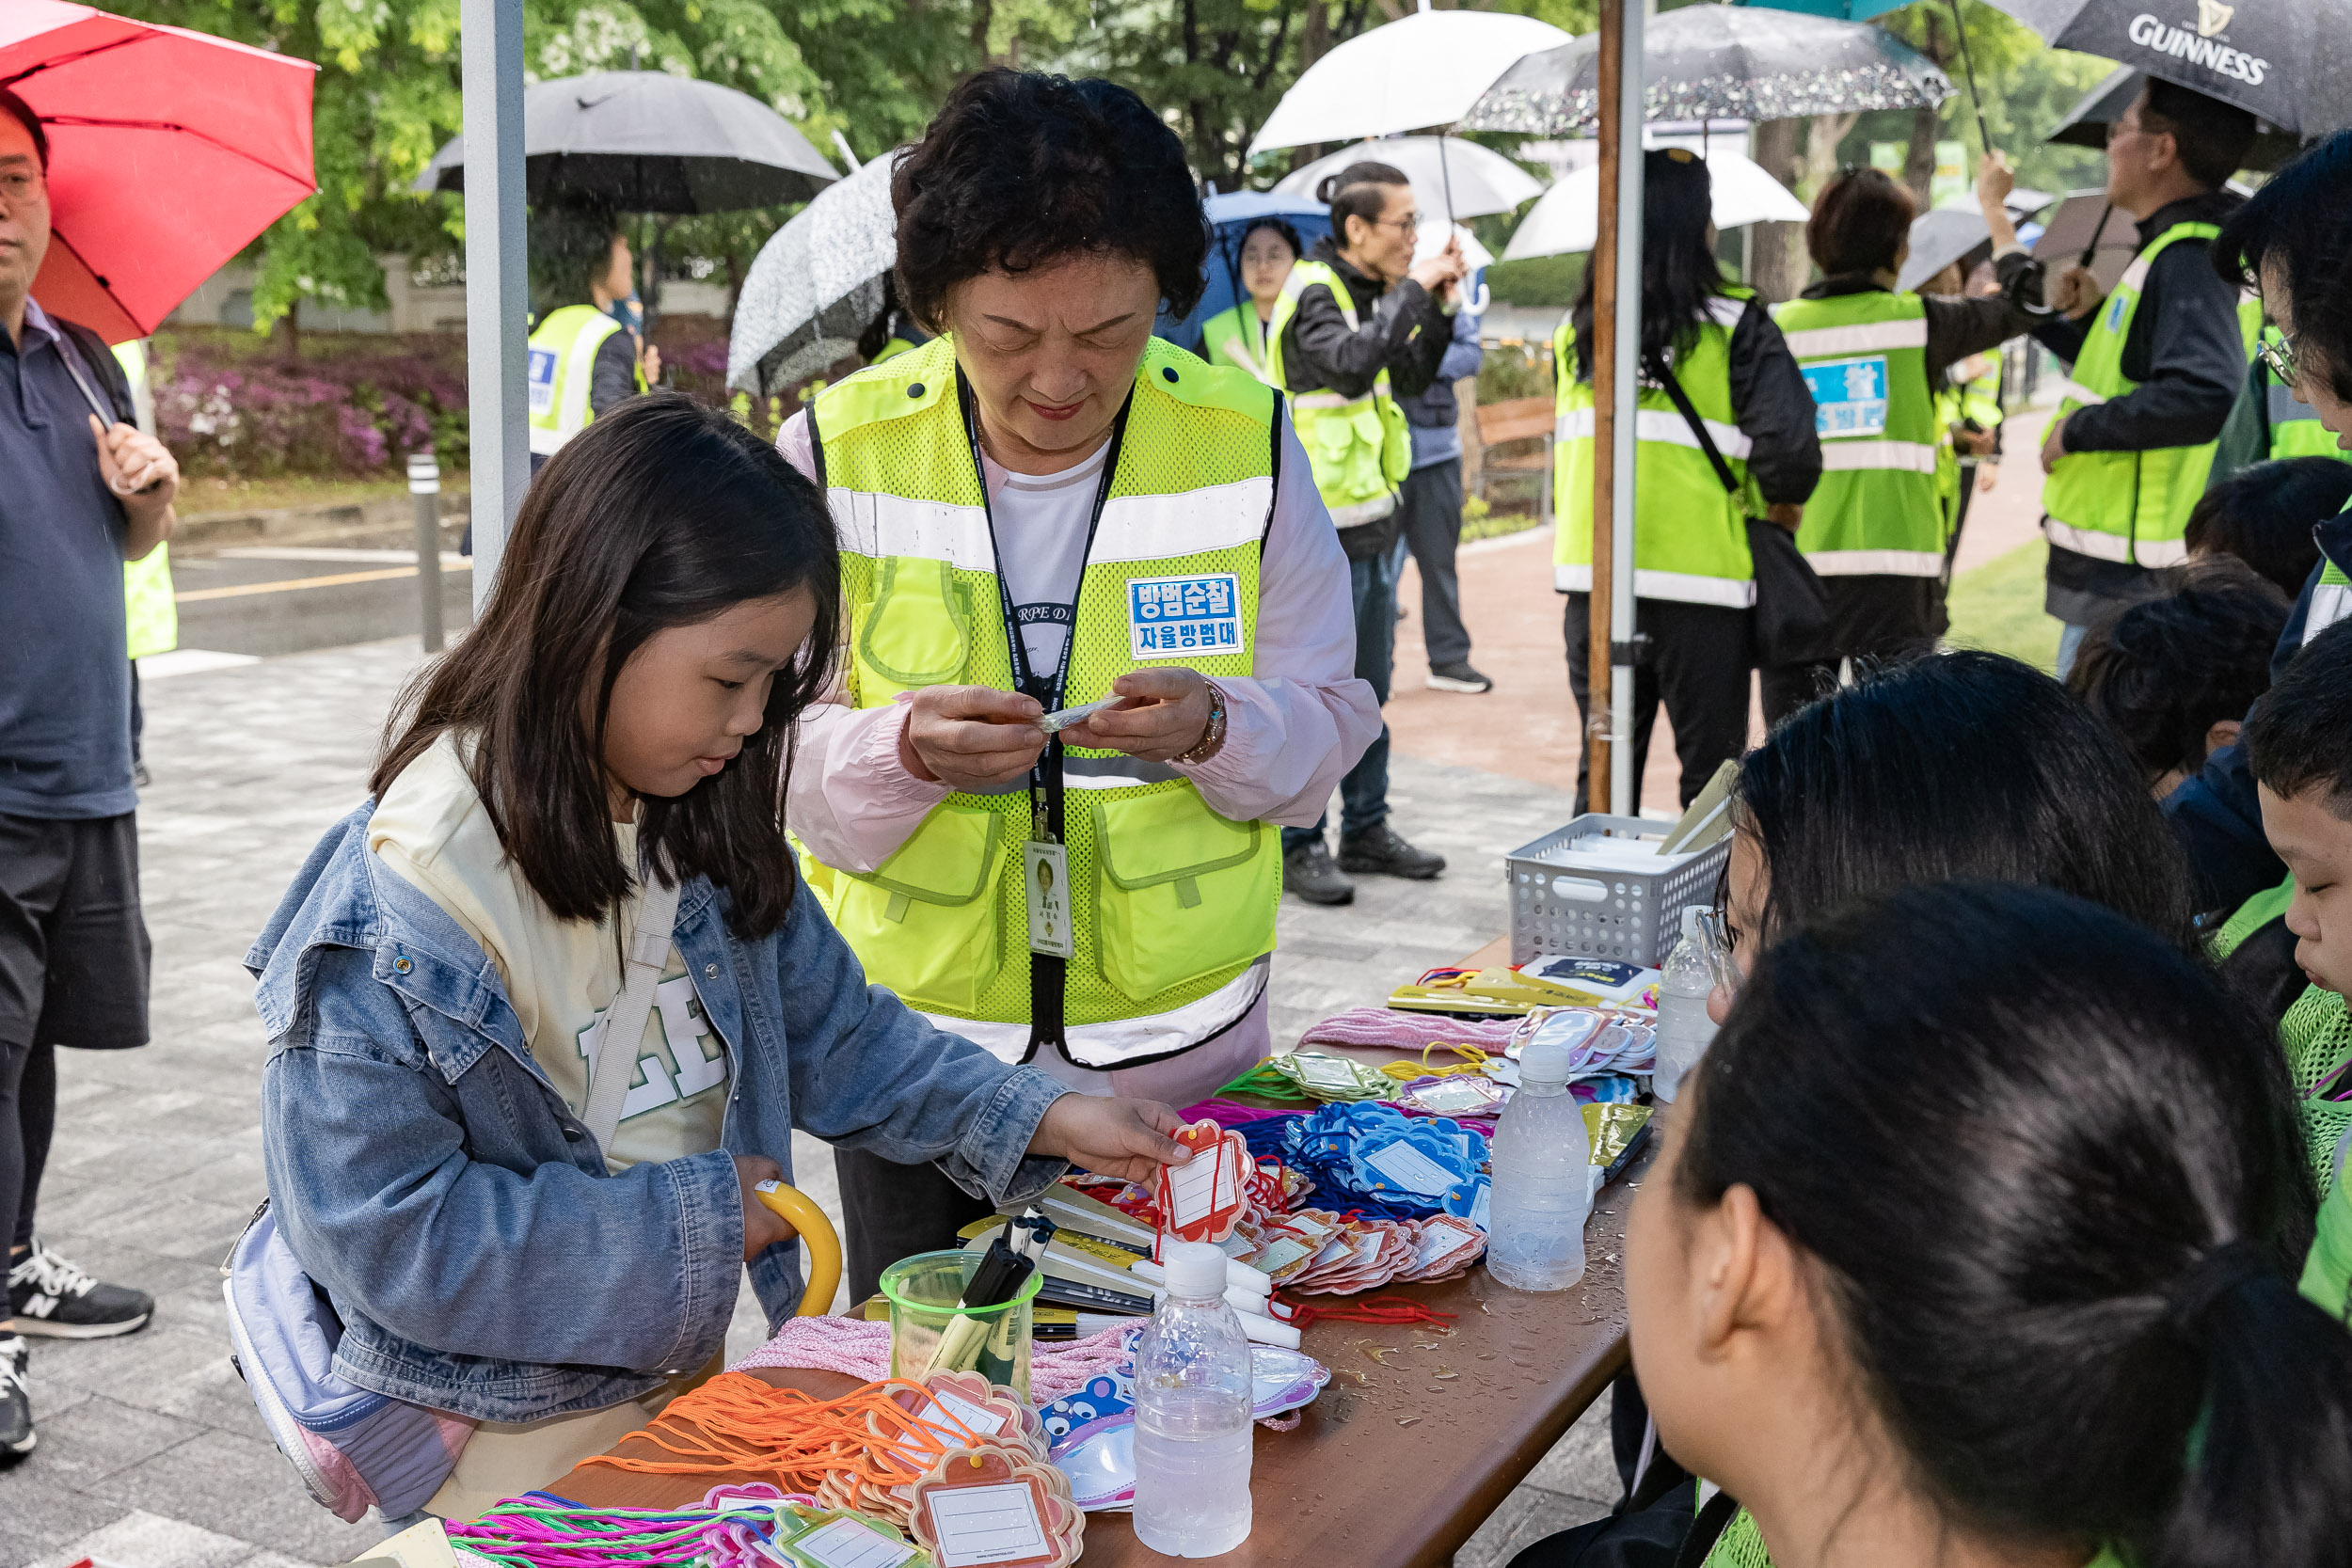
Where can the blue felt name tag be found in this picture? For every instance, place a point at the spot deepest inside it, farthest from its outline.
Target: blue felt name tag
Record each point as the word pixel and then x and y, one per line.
pixel 1848 395
pixel 542 382
pixel 1178 617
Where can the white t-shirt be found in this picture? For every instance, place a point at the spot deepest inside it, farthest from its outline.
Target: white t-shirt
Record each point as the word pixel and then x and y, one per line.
pixel 561 974
pixel 1041 522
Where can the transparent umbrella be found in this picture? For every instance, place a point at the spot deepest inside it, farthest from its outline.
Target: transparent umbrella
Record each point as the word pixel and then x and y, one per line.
pixel 815 284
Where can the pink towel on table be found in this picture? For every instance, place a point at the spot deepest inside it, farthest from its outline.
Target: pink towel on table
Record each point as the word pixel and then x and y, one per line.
pixel 862 1350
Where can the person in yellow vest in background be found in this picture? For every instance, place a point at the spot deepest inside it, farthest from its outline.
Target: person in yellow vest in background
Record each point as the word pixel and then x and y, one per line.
pixel 891 333
pixel 1359 323
pixel 2156 364
pixel 2268 421
pixel 1694 579
pixel 1045 507
pixel 1238 337
pixel 1875 359
pixel 585 357
pixel 150 615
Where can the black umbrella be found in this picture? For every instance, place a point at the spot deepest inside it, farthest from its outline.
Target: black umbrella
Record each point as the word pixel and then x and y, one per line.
pixel 1719 62
pixel 2288 61
pixel 644 141
pixel 2086 124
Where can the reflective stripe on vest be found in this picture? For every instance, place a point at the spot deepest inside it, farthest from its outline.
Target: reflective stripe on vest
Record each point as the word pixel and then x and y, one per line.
pixel 2129 506
pixel 1689 537
pixel 1171 906
pixel 1879 508
pixel 1360 447
pixel 563 363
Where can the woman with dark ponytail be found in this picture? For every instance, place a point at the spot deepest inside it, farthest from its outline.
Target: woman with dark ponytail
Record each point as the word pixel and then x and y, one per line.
pixel 1968 1246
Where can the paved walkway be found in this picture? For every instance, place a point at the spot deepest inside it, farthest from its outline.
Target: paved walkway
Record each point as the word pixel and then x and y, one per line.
pixel 150 1454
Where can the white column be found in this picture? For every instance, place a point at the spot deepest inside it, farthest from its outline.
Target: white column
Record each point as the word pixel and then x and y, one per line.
pixel 497 302
pixel 1629 152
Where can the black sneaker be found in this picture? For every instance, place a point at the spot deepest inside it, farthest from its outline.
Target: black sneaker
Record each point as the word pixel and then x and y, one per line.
pixel 1378 851
pixel 16 1401
pixel 1458 677
pixel 1308 872
pixel 49 1296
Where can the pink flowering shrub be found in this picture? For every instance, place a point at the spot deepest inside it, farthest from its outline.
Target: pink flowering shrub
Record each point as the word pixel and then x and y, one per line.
pixel 232 405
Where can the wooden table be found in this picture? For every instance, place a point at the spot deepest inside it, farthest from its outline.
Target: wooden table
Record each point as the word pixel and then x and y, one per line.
pixel 1418 1438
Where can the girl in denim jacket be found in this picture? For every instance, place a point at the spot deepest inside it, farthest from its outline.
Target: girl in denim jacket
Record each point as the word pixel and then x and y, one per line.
pixel 434 983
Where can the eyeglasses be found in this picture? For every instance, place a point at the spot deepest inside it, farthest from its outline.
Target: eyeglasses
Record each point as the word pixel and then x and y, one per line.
pixel 2279 356
pixel 1410 223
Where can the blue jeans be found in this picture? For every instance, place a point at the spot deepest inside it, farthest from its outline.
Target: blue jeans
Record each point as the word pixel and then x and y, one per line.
pixel 1365 792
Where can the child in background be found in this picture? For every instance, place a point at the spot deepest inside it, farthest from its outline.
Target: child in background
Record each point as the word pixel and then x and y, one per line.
pixel 2175 676
pixel 2022 1306
pixel 2263 516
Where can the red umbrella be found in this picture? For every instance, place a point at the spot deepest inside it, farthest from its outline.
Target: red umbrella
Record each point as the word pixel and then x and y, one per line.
pixel 168 152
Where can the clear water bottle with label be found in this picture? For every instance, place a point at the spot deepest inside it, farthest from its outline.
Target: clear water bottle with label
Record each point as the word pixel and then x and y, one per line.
pixel 1684 1030
pixel 1192 1413
pixel 1542 1162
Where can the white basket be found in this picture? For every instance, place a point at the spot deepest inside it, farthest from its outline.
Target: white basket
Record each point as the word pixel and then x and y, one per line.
pixel 1593 890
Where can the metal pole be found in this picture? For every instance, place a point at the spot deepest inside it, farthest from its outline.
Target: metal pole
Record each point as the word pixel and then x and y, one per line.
pixel 424 483
pixel 1599 705
pixel 1628 109
pixel 496 298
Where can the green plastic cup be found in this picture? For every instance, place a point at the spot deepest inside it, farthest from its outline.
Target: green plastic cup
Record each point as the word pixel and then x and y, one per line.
pixel 929 1333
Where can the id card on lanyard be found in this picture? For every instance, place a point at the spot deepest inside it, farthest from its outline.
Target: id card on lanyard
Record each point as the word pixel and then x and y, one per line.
pixel 1044 859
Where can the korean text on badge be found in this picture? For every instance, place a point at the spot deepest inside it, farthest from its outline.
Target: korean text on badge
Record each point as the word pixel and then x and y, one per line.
pixel 1183 617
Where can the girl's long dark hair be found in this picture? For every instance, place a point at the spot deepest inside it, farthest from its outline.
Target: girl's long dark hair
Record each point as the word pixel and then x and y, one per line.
pixel 1680 273
pixel 1963 766
pixel 660 514
pixel 2057 1213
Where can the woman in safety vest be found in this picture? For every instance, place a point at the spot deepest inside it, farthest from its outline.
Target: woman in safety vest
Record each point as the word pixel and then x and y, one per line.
pixel 1238 337
pixel 1875 361
pixel 1044 508
pixel 1693 583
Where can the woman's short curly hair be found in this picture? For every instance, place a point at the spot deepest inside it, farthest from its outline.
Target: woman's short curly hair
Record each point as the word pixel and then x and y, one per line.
pixel 1022 168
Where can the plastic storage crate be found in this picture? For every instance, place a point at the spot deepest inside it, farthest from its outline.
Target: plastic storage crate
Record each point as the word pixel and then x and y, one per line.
pixel 1607 906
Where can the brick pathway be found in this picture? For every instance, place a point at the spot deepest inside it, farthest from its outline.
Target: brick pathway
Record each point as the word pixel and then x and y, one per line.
pixel 150 1454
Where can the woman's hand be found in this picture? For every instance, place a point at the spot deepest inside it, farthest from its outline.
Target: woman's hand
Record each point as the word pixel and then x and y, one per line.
pixel 1124 1138
pixel 763 1227
pixel 970 737
pixel 1165 714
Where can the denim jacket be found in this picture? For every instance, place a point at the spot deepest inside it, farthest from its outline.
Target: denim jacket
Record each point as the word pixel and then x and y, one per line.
pixel 459 1215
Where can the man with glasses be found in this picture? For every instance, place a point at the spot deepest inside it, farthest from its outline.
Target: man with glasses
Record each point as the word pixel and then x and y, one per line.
pixel 2156 365
pixel 1361 323
pixel 85 492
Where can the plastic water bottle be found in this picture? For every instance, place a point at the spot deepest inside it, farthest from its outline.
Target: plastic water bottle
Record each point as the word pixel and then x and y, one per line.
pixel 1193 1413
pixel 1684 1030
pixel 1543 1189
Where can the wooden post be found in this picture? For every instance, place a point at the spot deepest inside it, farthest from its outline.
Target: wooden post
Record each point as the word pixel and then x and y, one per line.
pixel 1604 264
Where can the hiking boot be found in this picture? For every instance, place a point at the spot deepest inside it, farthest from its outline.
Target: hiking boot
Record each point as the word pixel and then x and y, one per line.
pixel 1458 677
pixel 1308 872
pixel 1378 851
pixel 50 1297
pixel 16 1401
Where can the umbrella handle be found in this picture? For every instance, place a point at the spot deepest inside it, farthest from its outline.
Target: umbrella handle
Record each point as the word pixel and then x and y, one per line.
pixel 818 1236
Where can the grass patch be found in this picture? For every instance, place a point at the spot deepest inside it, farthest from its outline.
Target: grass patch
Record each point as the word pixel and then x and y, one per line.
pixel 1997 606
pixel 1494 525
pixel 203 494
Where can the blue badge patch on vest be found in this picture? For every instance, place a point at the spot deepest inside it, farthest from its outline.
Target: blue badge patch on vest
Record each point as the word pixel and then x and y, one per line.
pixel 2115 312
pixel 1848 395
pixel 542 382
pixel 1172 617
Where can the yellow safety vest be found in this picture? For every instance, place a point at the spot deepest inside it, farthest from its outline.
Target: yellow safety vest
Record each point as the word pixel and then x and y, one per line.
pixel 1360 448
pixel 1172 906
pixel 1877 511
pixel 1689 534
pixel 2129 506
pixel 563 363
pixel 1237 339
pixel 150 615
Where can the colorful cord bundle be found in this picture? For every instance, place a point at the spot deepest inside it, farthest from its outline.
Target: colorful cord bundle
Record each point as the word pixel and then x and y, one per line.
pixel 1373 1156
pixel 537 1531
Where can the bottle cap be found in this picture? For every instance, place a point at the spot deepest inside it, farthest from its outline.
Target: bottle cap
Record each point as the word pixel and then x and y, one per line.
pixel 1196 1270
pixel 1544 1062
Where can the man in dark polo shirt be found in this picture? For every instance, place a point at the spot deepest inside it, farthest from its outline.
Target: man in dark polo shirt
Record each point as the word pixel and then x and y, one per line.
pixel 78 497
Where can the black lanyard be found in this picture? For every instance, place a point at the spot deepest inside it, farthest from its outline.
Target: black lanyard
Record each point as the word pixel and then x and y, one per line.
pixel 1047 974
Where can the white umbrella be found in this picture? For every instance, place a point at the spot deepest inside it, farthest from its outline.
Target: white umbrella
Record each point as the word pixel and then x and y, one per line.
pixel 1421 70
pixel 815 283
pixel 1568 217
pixel 1480 178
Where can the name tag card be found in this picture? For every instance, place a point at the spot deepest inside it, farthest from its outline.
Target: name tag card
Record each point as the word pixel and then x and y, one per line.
pixel 1201 1201
pixel 980 1509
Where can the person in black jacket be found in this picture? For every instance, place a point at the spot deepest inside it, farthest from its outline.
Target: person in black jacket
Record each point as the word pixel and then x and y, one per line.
pixel 2167 159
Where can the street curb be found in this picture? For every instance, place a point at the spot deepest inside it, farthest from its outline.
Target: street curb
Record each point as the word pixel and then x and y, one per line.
pixel 394 514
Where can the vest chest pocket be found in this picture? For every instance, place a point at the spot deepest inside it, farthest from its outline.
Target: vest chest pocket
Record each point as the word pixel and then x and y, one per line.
pixel 925 922
pixel 918 632
pixel 1179 892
